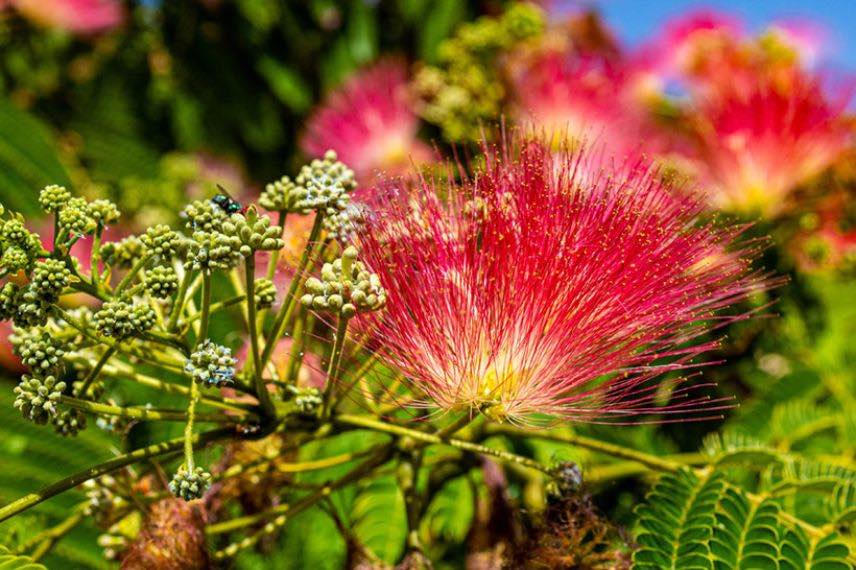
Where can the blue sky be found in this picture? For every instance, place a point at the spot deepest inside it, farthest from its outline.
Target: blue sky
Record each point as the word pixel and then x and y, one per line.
pixel 635 20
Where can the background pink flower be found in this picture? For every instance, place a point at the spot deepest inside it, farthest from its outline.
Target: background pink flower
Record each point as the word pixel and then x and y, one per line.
pixel 370 123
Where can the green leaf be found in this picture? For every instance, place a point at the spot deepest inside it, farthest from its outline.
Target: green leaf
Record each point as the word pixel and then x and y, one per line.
pixel 286 84
pixel 28 160
pixel 676 522
pixel 450 514
pixel 379 520
pixel 746 535
pixel 9 561
pixel 442 18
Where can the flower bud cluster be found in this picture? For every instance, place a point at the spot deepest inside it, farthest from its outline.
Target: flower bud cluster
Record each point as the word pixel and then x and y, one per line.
pixel 36 397
pixel 69 423
pixel 265 293
pixel 213 250
pixel 53 198
pixel 306 399
pixel 102 500
pixel 254 232
pixel 162 241
pixel 342 225
pixel 190 485
pixel 346 287
pixel 465 90
pixel 39 350
pixel 76 217
pixel 103 212
pixel 203 216
pixel 121 319
pixel 211 364
pixel 322 186
pixel 161 281
pixel 19 248
pixel 49 278
pixel 124 253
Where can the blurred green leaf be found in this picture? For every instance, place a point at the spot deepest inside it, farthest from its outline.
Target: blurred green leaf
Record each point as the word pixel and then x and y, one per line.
pixel 28 160
pixel 379 520
pixel 286 84
pixel 442 18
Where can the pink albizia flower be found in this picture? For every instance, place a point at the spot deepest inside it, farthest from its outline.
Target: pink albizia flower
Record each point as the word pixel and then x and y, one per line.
pixel 528 292
pixel 583 96
pixel 694 44
pixel 370 123
pixel 756 143
pixel 76 16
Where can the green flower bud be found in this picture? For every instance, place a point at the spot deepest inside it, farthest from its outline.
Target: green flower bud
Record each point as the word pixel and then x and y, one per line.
pixel 327 182
pixel 123 254
pixel 203 216
pixel 8 301
pixel 37 397
pixel 307 399
pixel 341 225
pixel 211 364
pixel 49 279
pixel 346 287
pixel 121 319
pixel 213 250
pixel 161 281
pixel 254 232
pixel 14 259
pixel 39 350
pixel 265 293
pixel 162 241
pixel 76 218
pixel 33 309
pixel 104 212
pixel 190 486
pixel 69 423
pixel 19 246
pixel 53 198
pixel 284 196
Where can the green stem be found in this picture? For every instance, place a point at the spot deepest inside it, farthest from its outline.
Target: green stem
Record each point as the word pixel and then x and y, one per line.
pixel 93 374
pixel 94 258
pixel 302 323
pixel 430 438
pixel 126 280
pixel 258 378
pixel 139 413
pixel 215 307
pixel 274 256
pixel 280 513
pixel 178 302
pixel 206 308
pixel 333 366
pixel 188 427
pixel 50 537
pixel 592 444
pixel 157 450
pixel 290 301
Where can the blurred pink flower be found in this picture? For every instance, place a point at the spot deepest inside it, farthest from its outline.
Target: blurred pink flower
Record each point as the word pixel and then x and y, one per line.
pixel 370 123
pixel 756 142
pixel 77 16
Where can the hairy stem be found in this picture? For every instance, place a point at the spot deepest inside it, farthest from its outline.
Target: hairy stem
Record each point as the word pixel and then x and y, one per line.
pixel 93 374
pixel 139 413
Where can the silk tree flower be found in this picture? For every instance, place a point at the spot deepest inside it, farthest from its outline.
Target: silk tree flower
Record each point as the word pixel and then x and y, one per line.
pixel 531 292
pixel 755 144
pixel 83 17
pixel 583 95
pixel 370 123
